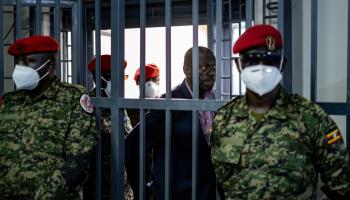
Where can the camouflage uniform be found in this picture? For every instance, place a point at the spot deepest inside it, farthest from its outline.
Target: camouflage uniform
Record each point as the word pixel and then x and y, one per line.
pixel 280 156
pixel 89 188
pixel 45 143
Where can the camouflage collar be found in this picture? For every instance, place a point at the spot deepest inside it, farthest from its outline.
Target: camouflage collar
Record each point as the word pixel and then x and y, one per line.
pixel 50 92
pixel 277 111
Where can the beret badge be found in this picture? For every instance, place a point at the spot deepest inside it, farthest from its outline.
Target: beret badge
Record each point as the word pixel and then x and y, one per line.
pixel 270 43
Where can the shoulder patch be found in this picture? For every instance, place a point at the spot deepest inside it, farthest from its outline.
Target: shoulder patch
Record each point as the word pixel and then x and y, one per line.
pixel 85 103
pixel 333 137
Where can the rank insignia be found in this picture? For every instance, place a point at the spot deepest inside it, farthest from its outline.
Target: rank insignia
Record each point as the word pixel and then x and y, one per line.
pixel 333 137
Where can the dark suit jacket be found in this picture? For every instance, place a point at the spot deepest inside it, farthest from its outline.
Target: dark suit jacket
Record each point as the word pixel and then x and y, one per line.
pixel 181 160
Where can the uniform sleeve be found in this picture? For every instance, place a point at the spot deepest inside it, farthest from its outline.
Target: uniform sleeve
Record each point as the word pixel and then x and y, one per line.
pixel 332 159
pixel 221 169
pixel 80 140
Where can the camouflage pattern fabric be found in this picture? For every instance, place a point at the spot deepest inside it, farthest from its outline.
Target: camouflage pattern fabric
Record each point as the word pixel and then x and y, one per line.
pixel 44 143
pixel 89 187
pixel 280 156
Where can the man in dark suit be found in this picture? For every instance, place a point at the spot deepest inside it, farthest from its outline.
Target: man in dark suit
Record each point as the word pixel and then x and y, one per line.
pixel 181 160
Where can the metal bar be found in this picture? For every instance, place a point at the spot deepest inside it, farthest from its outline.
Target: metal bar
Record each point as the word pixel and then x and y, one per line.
pixel 168 96
pixel 285 27
pixel 210 19
pixel 271 17
pixel 347 85
pixel 117 137
pixel 57 26
pixel 249 10
pixel 161 104
pixel 313 89
pixel 264 11
pixel 79 75
pixel 18 20
pixel 98 94
pixel 1 50
pixel 218 48
pixel 168 154
pixel 47 3
pixel 240 33
pixel 64 55
pixel 231 34
pixel 335 108
pixel 348 63
pixel 38 17
pixel 142 95
pixel 195 89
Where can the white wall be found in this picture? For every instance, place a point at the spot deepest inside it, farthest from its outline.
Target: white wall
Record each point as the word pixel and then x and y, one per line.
pixel 332 50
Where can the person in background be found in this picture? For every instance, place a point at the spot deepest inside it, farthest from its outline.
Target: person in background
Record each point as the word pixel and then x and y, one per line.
pixel 181 124
pixel 151 88
pixel 47 129
pixel 270 144
pixel 89 187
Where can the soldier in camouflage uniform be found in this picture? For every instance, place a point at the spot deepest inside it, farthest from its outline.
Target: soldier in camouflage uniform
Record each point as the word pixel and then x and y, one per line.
pixel 89 187
pixel 270 144
pixel 47 130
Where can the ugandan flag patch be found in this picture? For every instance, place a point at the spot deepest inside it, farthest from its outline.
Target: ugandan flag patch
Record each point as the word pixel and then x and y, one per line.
pixel 333 137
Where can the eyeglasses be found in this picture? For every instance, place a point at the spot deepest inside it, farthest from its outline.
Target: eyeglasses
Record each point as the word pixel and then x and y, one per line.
pixel 266 58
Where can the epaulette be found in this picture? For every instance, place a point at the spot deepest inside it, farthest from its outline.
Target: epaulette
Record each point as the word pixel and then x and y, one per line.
pixel 78 88
pixel 84 98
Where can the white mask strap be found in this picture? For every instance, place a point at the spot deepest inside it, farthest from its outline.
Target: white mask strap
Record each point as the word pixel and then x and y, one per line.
pixel 240 64
pixel 42 65
pixel 104 79
pixel 281 62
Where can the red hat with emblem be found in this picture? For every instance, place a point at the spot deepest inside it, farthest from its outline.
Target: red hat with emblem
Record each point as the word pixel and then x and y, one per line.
pixel 152 71
pixel 257 36
pixel 105 63
pixel 33 44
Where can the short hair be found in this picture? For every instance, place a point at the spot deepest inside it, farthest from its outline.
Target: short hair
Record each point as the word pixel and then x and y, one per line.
pixel 204 54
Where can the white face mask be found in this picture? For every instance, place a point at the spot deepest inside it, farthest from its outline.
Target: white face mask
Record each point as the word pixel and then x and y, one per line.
pixel 26 77
pixel 261 79
pixel 151 89
pixel 108 88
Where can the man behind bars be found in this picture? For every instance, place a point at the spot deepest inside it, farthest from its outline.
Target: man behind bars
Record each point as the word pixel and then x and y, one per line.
pixel 89 187
pixel 270 144
pixel 181 140
pixel 47 131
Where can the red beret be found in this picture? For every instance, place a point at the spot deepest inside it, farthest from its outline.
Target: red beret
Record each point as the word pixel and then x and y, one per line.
pixel 105 63
pixel 258 35
pixel 152 71
pixel 33 44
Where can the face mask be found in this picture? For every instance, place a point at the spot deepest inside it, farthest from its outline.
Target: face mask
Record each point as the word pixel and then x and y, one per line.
pixel 26 77
pixel 151 89
pixel 261 79
pixel 107 89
